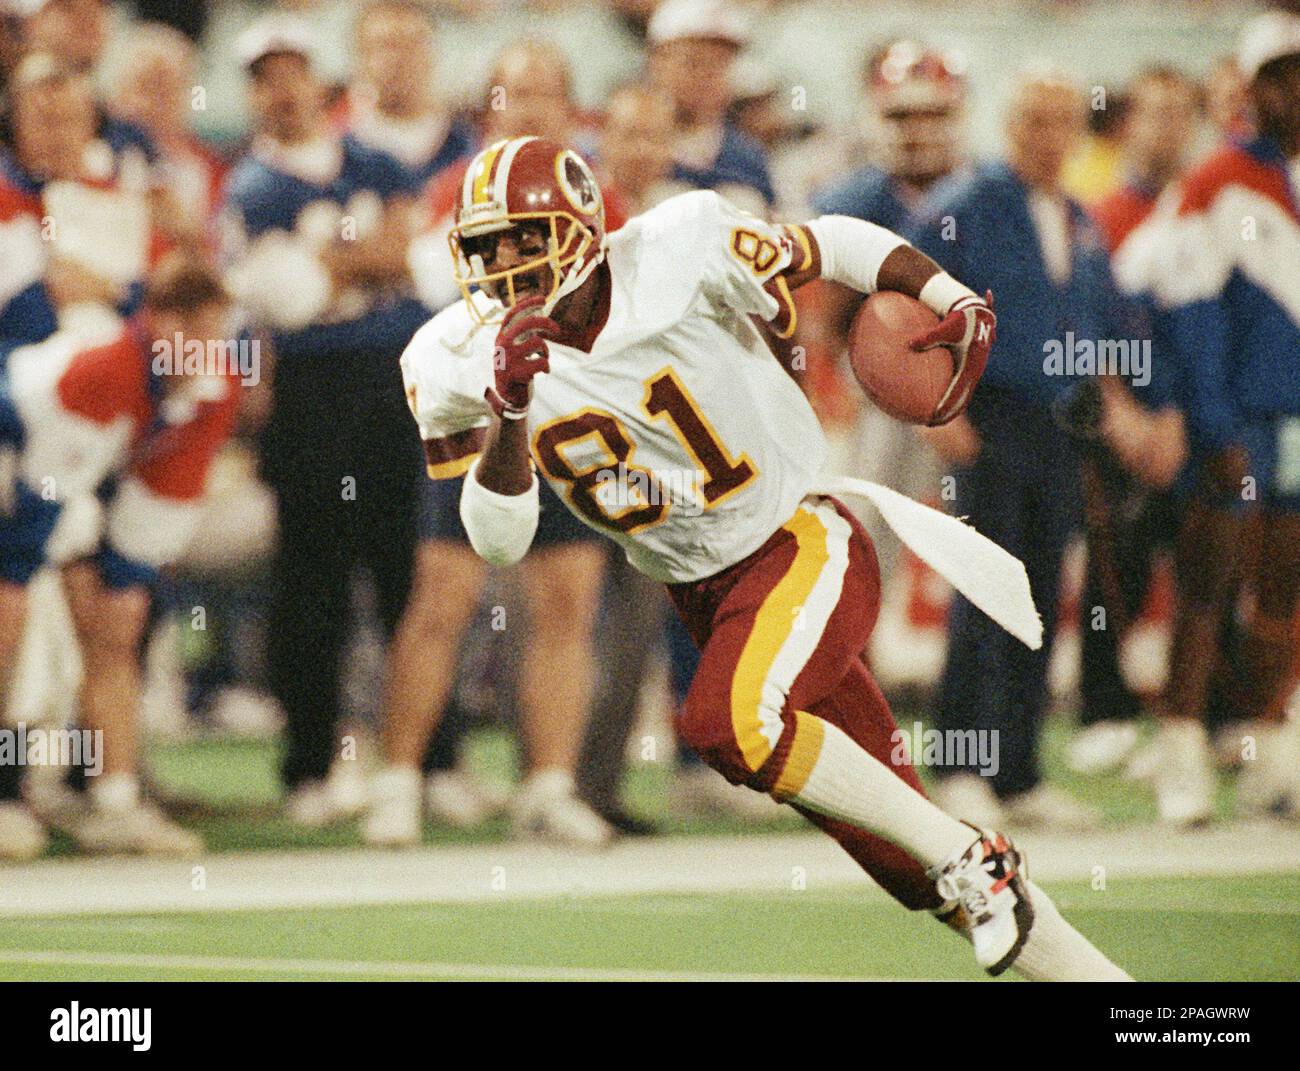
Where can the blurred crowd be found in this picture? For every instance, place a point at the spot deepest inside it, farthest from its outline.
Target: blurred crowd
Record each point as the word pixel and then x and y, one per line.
pixel 1141 242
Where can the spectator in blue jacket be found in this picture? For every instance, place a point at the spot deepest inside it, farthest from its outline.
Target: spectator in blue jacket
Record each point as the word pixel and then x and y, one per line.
pixel 1009 228
pixel 693 46
pixel 392 104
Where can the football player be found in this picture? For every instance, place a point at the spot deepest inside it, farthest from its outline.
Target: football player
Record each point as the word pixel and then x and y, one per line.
pixel 663 420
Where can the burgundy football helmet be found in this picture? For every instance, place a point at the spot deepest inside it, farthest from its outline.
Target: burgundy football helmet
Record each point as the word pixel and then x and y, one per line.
pixel 511 184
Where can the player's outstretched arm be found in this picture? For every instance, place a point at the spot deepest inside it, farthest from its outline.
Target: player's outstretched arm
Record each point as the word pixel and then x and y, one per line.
pixel 868 258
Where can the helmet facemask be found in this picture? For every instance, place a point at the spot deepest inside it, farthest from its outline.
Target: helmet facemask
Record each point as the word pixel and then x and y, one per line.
pixel 570 254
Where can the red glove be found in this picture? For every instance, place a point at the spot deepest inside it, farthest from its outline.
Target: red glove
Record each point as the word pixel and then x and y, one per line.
pixel 968 330
pixel 521 353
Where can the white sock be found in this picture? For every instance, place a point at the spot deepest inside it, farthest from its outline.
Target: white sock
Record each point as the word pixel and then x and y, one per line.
pixel 850 784
pixel 1057 952
pixel 114 792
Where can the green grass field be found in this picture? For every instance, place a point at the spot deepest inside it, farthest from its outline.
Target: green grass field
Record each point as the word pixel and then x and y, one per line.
pixel 1169 929
pixel 1233 926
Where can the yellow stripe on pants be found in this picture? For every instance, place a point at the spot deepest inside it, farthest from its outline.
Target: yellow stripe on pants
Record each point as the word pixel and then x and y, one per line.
pixel 757 726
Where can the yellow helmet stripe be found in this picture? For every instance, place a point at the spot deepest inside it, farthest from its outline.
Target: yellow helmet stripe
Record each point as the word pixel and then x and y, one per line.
pixel 482 173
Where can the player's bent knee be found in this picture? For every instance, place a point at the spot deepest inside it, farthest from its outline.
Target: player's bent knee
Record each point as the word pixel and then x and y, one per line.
pixel 739 751
pixel 706 730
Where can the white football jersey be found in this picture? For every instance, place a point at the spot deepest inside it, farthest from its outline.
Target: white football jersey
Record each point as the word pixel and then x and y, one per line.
pixel 679 435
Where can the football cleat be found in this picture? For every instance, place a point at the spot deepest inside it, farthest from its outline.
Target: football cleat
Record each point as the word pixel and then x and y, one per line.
pixel 319 803
pixel 1270 781
pixel 986 882
pixel 1101 747
pixel 1047 807
pixel 141 829
pixel 458 798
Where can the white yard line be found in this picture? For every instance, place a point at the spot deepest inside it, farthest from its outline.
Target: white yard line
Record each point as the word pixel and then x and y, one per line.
pixel 481 874
pixel 390 968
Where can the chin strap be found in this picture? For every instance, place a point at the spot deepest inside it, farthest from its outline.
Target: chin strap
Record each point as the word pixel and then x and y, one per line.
pixel 578 273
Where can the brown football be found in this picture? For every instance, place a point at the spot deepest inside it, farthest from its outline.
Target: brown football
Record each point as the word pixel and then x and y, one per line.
pixel 906 385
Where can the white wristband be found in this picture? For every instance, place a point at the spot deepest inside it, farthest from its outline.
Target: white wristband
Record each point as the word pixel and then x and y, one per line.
pixel 500 527
pixel 942 292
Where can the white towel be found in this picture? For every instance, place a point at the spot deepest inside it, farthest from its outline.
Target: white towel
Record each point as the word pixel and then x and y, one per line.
pixel 990 577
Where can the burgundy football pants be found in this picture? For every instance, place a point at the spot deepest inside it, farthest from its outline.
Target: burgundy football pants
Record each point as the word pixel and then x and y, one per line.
pixel 784 631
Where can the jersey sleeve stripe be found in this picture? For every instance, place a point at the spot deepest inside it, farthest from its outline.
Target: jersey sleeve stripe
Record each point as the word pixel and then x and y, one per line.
pixel 787 316
pixel 452 455
pixel 801 236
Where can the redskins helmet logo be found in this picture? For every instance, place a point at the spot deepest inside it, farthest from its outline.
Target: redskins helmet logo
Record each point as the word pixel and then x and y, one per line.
pixel 577 182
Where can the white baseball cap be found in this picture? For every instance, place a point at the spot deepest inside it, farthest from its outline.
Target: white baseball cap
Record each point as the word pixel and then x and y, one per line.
pixel 715 20
pixel 1266 38
pixel 274 34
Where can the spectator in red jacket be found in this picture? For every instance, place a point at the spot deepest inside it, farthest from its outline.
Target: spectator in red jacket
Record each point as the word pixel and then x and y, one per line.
pixel 147 406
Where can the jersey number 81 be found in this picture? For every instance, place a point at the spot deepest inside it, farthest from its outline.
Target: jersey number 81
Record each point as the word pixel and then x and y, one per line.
pixel 665 398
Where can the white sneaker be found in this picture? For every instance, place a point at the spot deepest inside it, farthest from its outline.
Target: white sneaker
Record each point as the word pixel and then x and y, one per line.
pixel 701 792
pixel 1270 782
pixel 392 819
pixel 458 798
pixel 1101 747
pixel 1145 761
pixel 988 882
pixel 246 713
pixel 547 808
pixel 1184 781
pixel 969 797
pixel 316 804
pixel 1048 807
pixel 140 829
pixel 22 837
pixel 56 805
pixel 349 787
